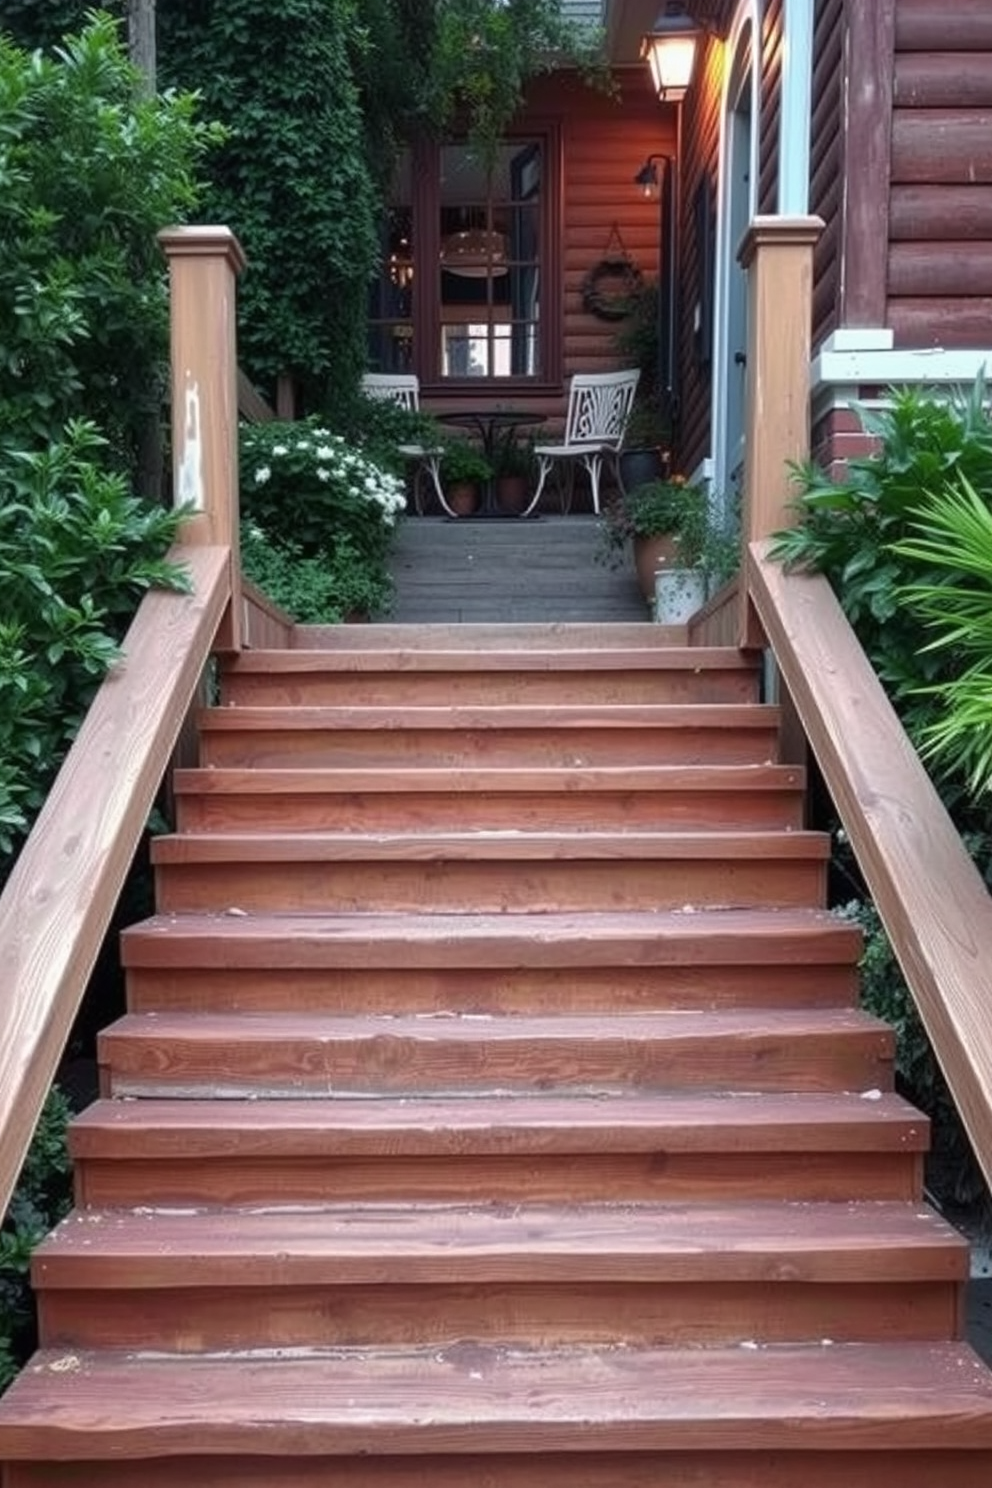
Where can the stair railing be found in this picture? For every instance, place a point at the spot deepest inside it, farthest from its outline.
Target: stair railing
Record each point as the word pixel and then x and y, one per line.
pixel 931 899
pixel 56 907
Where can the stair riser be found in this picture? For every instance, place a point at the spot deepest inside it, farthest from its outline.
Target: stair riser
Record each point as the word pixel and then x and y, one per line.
pixel 563 990
pixel 285 1315
pixel 586 1469
pixel 464 885
pixel 397 811
pixel 490 689
pixel 438 1060
pixel 527 1177
pixel 575 746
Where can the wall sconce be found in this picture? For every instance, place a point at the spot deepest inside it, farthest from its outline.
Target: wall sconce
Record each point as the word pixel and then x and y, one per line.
pixel 670 50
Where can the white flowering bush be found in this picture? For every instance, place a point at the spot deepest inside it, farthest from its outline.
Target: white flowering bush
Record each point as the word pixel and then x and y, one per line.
pixel 306 485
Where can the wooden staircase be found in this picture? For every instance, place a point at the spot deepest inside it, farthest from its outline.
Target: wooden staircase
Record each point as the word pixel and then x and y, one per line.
pixel 493 1108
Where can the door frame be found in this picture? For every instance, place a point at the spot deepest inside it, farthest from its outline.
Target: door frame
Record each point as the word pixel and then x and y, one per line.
pixel 743 74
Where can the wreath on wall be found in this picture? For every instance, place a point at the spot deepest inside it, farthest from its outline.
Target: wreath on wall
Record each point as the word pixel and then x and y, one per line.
pixel 611 287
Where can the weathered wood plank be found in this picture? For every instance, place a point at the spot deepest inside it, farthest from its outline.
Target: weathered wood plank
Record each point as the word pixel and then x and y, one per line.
pixel 926 26
pixel 941 270
pixel 929 213
pixel 479 1399
pixel 58 901
pixel 934 905
pixel 949 80
pixel 941 147
pixel 870 56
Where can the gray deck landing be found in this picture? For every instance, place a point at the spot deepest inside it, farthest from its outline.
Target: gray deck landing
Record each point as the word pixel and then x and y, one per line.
pixel 512 570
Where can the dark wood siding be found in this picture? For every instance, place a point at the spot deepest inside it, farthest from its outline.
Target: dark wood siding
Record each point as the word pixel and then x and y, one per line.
pixel 604 143
pixel 771 106
pixel 700 160
pixel 827 162
pixel 940 224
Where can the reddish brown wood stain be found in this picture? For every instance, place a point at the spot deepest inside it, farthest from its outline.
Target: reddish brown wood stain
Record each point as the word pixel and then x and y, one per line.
pixel 500 1115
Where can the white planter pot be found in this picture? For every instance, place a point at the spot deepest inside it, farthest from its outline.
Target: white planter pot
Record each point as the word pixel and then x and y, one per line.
pixel 678 593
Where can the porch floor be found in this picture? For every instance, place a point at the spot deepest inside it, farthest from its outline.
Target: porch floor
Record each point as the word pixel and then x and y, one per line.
pixel 479 570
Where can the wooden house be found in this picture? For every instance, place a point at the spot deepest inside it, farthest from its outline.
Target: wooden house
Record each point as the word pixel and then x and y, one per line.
pixel 873 117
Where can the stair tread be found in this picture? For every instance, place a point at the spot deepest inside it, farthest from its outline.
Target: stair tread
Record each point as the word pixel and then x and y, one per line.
pixel 482 637
pixel 546 716
pixel 219 779
pixel 628 938
pixel 482 1398
pixel 863 1242
pixel 679 1121
pixel 445 657
pixel 429 1026
pixel 487 845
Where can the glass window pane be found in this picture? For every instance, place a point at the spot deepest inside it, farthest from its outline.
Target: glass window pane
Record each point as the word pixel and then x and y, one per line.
pixel 489 273
pixel 391 295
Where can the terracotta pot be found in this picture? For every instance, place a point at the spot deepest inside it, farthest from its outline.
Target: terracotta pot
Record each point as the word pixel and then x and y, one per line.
pixel 463 498
pixel 650 554
pixel 512 493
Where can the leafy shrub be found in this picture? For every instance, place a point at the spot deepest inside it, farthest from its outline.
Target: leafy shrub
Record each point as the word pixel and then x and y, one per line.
pixel 849 529
pixel 953 543
pixel 42 1197
pixel 77 551
pixel 300 479
pixel 379 426
pixel 90 173
pixel 321 590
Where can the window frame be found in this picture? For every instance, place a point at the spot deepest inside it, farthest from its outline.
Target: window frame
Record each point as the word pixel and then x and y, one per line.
pixel 426 212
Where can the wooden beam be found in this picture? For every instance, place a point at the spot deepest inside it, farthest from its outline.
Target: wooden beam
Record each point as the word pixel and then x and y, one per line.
pixel 58 902
pixel 777 253
pixel 933 903
pixel 869 77
pixel 203 266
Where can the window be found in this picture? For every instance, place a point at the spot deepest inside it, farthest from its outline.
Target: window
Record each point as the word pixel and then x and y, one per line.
pixel 465 291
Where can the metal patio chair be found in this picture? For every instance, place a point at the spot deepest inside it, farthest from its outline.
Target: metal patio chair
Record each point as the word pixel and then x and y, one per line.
pixel 403 388
pixel 599 405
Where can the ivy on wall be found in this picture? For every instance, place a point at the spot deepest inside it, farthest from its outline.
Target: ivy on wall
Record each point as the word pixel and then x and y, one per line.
pixel 291 180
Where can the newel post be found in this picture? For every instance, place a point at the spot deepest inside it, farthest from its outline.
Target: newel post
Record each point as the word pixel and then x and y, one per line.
pixel 777 254
pixel 204 263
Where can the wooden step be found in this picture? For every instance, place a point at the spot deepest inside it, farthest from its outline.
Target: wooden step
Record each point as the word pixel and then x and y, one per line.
pixel 602 674
pixel 512 735
pixel 727 1469
pixel 488 872
pixel 491 963
pixel 669 1147
pixel 631 797
pixel 199 1054
pixel 473 1399
pixel 558 636
pixel 649 1274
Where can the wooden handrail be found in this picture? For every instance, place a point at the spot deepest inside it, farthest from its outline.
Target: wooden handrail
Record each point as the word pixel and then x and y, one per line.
pixel 932 901
pixel 57 904
pixel 251 404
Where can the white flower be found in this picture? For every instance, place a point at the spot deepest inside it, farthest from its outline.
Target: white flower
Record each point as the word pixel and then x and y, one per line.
pixel 303 444
pixel 324 452
pixel 262 474
pixel 280 449
pixel 323 475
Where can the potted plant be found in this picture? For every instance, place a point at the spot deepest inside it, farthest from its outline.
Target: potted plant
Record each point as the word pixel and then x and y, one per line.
pixel 464 470
pixel 513 472
pixel 663 521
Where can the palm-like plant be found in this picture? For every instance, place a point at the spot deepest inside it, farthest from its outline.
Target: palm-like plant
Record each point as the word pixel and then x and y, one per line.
pixel 953 528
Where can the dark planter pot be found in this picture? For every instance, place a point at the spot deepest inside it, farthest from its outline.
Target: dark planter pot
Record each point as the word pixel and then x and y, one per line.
pixel 638 466
pixel 512 493
pixel 463 498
